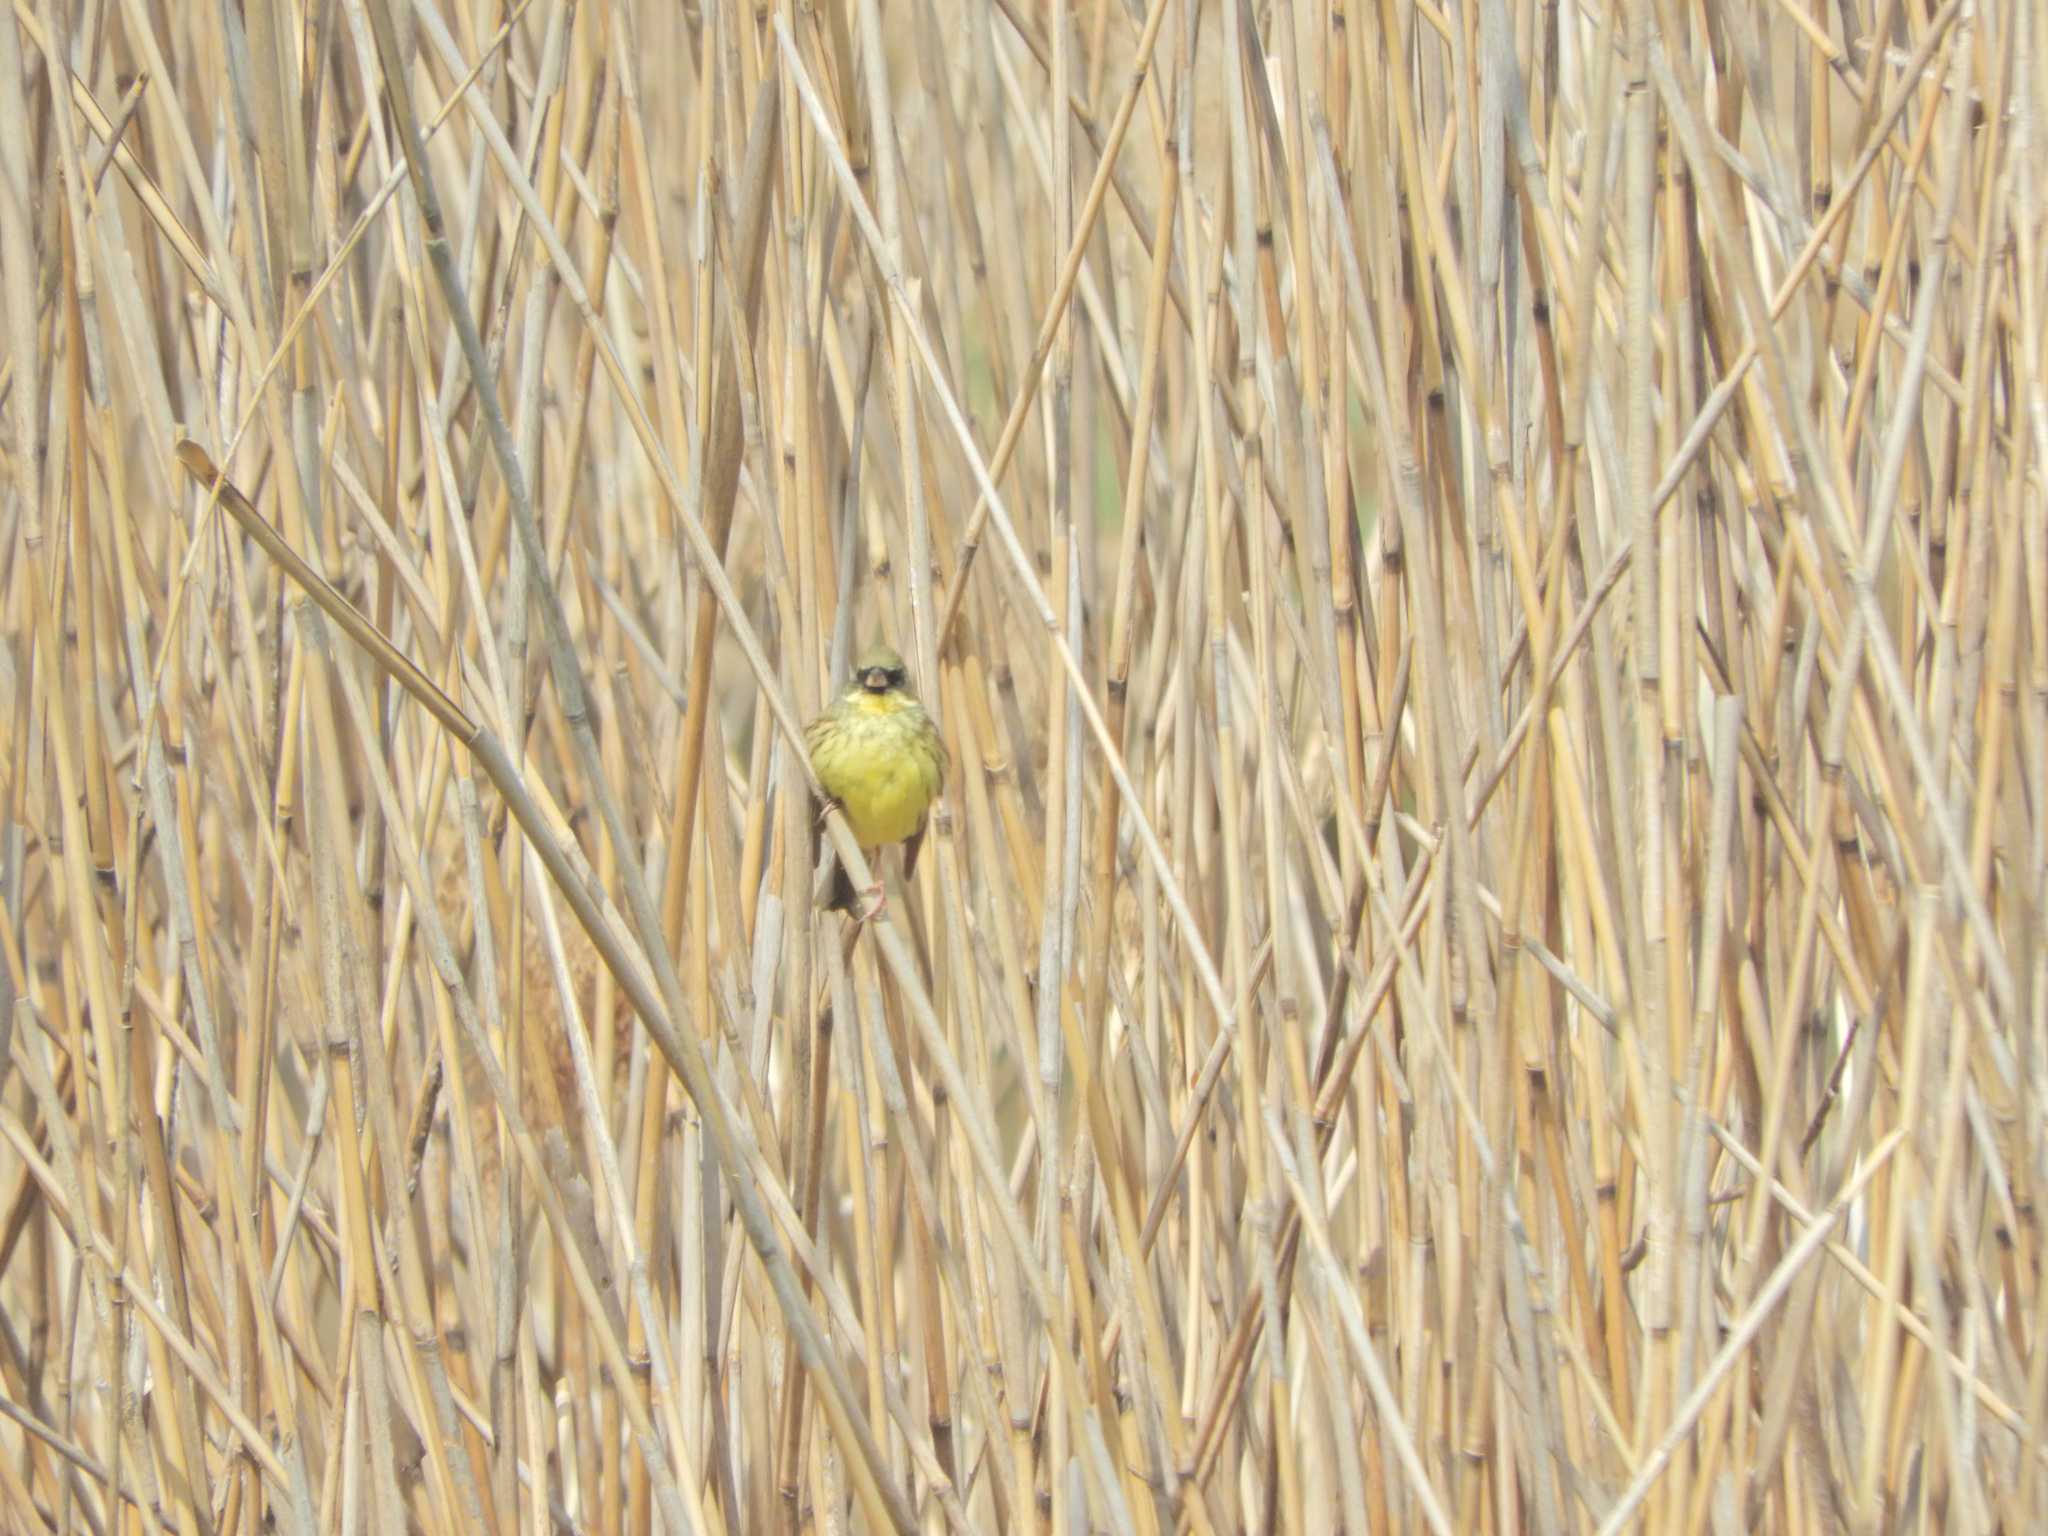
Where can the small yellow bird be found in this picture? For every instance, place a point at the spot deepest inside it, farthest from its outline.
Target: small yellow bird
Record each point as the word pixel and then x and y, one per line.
pixel 877 753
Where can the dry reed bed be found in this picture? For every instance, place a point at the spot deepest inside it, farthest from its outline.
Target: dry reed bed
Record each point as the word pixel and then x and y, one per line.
pixel 1483 569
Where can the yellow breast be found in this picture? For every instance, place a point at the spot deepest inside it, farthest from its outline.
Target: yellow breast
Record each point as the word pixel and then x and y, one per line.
pixel 880 758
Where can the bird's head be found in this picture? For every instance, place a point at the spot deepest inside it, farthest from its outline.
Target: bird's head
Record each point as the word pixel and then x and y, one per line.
pixel 880 670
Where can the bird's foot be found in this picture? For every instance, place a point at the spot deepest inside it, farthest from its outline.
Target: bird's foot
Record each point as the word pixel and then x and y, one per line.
pixel 875 901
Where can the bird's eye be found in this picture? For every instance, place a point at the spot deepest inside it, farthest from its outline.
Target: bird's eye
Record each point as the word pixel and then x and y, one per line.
pixel 896 677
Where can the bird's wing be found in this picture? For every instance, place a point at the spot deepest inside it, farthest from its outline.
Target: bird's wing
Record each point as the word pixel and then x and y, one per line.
pixel 815 732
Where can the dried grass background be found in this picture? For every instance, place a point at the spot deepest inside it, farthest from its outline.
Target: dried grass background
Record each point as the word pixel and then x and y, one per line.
pixel 1483 568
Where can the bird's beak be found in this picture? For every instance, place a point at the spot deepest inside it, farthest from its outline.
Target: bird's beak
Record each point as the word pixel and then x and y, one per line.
pixel 875 680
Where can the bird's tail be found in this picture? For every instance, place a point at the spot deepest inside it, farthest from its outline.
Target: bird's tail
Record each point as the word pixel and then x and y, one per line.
pixel 833 889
